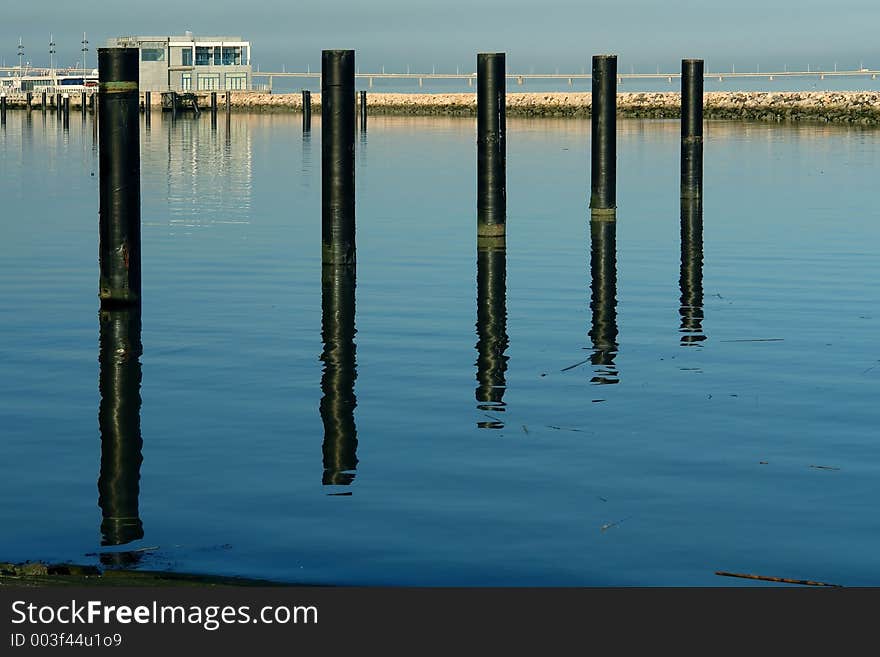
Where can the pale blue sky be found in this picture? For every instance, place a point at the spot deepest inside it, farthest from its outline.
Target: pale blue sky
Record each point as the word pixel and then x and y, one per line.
pixel 556 34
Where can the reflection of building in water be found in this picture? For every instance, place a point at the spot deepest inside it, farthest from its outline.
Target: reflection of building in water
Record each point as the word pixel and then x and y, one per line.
pixel 492 338
pixel 340 371
pixel 691 279
pixel 208 173
pixel 120 424
pixel 603 300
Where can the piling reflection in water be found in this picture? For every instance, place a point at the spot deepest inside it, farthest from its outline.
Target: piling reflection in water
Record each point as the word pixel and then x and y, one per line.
pixel 603 301
pixel 120 425
pixel 691 278
pixel 492 340
pixel 340 371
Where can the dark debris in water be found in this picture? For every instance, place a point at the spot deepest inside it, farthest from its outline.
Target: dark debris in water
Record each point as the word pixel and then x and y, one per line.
pixel 756 340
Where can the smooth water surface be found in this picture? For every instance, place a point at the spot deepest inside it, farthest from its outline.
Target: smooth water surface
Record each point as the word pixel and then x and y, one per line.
pixel 642 404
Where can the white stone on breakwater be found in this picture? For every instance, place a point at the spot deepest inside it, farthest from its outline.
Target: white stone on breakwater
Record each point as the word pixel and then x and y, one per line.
pixel 838 107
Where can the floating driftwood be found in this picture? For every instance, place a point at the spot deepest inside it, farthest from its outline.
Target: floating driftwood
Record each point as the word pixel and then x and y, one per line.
pixel 764 578
pixel 756 340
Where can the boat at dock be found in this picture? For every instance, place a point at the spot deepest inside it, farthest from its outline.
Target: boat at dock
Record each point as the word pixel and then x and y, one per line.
pixel 51 81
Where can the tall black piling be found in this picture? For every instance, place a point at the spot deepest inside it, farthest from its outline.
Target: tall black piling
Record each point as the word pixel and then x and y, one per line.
pixel 337 157
pixel 603 301
pixel 363 108
pixel 307 109
pixel 338 400
pixel 3 109
pixel 65 109
pixel 491 145
pixel 214 103
pixel 691 278
pixel 603 115
pixel 148 110
pixel 43 101
pixel 119 421
pixel 28 100
pixel 82 102
pixel 59 106
pixel 492 339
pixel 120 194
pixel 691 128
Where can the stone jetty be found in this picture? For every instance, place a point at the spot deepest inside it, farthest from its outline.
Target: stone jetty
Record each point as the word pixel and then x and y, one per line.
pixel 849 107
pixel 861 108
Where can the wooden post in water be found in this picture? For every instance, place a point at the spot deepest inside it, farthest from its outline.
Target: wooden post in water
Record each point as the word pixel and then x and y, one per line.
pixel 120 193
pixel 337 157
pixel 691 128
pixel 65 109
pixel 307 110
pixel 491 145
pixel 338 400
pixel 82 102
pixel 95 95
pixel 363 97
pixel 228 104
pixel 3 109
pixel 43 102
pixel 214 103
pixel 29 97
pixel 603 191
pixel 119 421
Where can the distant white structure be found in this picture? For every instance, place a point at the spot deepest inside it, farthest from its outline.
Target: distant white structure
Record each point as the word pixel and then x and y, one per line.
pixel 189 63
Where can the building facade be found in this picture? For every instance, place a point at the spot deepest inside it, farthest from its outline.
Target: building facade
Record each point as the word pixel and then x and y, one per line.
pixel 190 63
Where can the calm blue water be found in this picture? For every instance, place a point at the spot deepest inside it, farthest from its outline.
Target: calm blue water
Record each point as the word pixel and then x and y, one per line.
pixel 587 408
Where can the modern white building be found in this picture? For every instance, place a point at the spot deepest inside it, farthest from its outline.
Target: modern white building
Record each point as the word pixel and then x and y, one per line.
pixel 190 63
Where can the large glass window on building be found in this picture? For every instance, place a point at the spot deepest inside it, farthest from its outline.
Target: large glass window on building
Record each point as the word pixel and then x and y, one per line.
pixel 209 81
pixel 204 55
pixel 231 55
pixel 186 82
pixel 152 51
pixel 236 81
pixel 187 57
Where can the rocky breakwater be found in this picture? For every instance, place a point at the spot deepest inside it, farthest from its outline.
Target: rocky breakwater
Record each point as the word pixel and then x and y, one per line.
pixel 861 108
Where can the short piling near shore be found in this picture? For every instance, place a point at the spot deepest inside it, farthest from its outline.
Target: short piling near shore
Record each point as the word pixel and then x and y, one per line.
pixel 306 110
